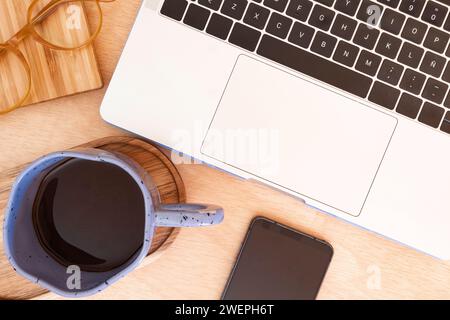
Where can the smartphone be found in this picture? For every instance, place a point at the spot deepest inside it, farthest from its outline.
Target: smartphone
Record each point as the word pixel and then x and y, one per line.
pixel 277 262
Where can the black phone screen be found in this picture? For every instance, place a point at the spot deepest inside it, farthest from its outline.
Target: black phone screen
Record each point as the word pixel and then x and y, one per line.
pixel 277 262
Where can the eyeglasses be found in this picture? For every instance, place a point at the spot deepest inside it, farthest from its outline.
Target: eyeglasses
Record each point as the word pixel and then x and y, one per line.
pixel 56 24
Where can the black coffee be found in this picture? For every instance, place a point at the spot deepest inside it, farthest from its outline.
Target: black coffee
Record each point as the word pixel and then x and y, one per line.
pixel 90 214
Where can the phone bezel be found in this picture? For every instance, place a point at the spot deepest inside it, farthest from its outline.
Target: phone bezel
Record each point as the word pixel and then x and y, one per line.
pixel 280 227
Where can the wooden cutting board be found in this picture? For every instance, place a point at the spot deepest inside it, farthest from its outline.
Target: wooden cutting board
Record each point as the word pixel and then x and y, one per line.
pixel 158 165
pixel 54 73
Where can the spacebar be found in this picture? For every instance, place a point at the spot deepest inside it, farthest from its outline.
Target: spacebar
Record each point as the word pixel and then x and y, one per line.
pixel 314 66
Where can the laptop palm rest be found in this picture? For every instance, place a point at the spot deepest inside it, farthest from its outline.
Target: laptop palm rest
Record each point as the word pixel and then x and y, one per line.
pixel 298 135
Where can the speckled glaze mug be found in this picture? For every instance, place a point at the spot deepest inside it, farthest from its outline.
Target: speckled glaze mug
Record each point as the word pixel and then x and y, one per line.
pixel 21 241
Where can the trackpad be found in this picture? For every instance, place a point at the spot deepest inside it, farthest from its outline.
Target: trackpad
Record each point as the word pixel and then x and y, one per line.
pixel 299 135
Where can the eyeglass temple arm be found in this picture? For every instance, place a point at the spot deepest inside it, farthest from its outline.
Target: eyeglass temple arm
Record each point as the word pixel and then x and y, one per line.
pixel 24 31
pixel 42 14
pixel 48 9
pixel 52 5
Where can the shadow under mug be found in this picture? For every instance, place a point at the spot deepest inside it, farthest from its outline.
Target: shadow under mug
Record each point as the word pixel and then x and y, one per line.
pixel 21 241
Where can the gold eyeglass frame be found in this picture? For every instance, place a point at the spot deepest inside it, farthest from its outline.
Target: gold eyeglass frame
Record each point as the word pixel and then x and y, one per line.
pixel 28 30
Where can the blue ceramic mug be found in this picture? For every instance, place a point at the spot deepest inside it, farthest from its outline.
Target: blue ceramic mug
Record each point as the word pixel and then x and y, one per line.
pixel 29 258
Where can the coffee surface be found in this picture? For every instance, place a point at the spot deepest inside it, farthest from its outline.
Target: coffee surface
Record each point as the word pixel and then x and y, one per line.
pixel 90 214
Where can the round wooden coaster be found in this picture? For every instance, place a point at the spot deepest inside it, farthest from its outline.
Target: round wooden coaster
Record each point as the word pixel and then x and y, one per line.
pixel 157 164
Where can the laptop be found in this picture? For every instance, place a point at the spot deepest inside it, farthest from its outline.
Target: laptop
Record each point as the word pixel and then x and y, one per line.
pixel 342 103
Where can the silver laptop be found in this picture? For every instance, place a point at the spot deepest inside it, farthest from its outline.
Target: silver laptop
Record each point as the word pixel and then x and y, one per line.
pixel 342 103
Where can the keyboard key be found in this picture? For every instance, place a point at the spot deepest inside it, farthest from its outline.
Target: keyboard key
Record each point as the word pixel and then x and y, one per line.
pixel 434 13
pixel 299 9
pixel 279 25
pixel 410 55
pixel 414 30
pixel 392 21
pixel 436 40
pixel 368 63
pixel 301 35
pixel 196 16
pixel 447 24
pixel 278 5
pixel 323 44
pixel 412 7
pixel 390 72
pixel 370 12
pixel 409 105
pixel 174 9
pixel 447 101
pixel 432 64
pixel 412 81
pixel 446 75
pixel 446 123
pixel 347 6
pixel 219 26
pixel 388 45
pixel 384 95
pixel 447 52
pixel 234 8
pixel 365 36
pixel 344 27
pixel 390 3
pixel 256 16
pixel 435 91
pixel 321 17
pixel 244 37
pixel 431 115
pixel 346 53
pixel 314 66
pixel 326 2
pixel 211 4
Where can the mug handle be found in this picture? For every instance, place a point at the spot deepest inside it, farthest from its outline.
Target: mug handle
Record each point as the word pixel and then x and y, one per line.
pixel 188 215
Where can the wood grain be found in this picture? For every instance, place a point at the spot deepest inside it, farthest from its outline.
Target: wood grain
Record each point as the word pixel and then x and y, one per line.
pixel 197 265
pixel 54 73
pixel 163 173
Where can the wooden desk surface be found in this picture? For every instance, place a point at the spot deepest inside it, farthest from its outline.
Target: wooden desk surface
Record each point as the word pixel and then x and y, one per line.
pixel 365 265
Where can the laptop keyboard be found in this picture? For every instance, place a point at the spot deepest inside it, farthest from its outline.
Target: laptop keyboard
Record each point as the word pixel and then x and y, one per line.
pixel 393 53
